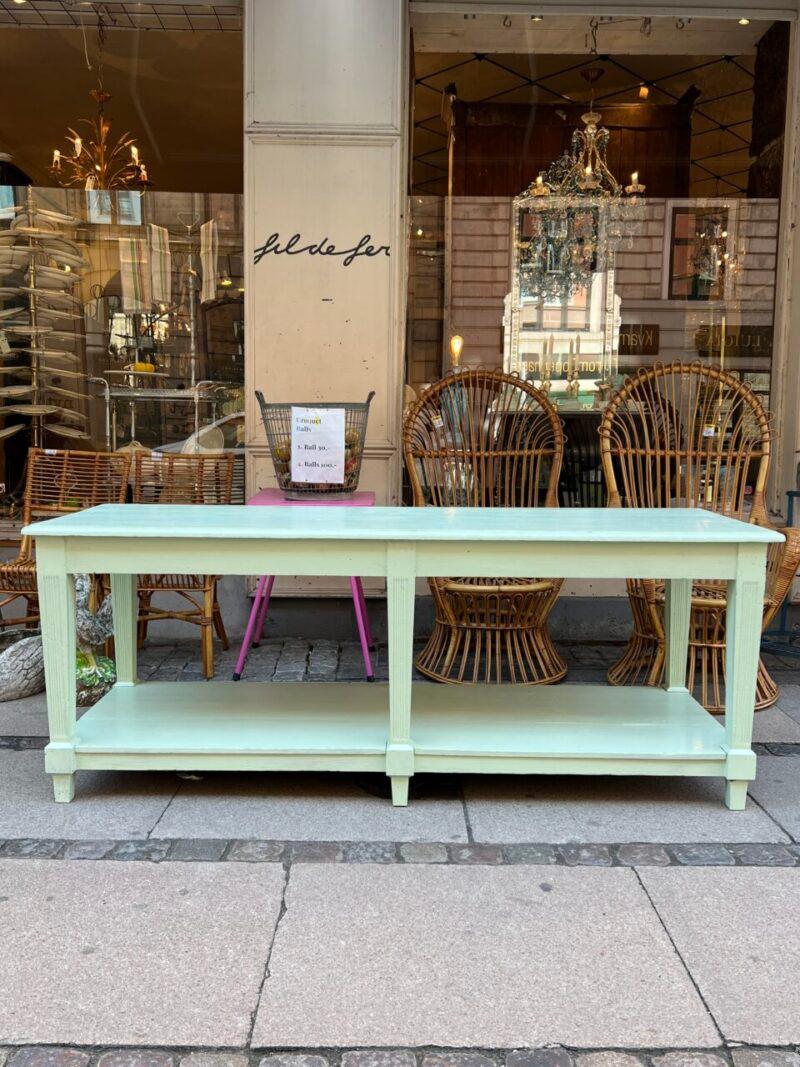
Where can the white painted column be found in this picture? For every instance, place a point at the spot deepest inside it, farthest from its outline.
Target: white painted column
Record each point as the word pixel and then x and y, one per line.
pixel 325 159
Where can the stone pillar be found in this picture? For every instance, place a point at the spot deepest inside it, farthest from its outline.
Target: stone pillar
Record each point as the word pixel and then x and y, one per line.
pixel 325 172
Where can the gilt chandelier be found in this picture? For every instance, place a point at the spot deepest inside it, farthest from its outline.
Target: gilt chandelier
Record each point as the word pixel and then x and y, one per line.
pixel 94 160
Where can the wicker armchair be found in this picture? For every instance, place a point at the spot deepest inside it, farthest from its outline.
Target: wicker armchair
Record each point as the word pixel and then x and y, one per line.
pixel 167 478
pixel 691 435
pixel 485 439
pixel 57 483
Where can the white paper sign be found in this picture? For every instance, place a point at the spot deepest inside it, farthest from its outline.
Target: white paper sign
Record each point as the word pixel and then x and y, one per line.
pixel 318 445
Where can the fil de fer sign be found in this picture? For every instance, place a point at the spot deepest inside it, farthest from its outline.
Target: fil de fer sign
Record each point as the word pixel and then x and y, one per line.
pixel 298 245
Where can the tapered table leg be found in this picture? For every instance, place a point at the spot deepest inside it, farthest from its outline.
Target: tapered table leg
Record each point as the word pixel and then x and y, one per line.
pixel 743 639
pixel 57 605
pixel 677 613
pixel 400 586
pixel 125 601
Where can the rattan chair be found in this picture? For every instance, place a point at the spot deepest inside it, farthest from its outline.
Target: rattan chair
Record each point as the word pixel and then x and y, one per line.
pixel 485 439
pixel 692 435
pixel 167 478
pixel 57 483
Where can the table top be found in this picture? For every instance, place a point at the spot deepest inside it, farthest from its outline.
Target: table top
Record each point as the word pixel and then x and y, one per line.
pixel 565 525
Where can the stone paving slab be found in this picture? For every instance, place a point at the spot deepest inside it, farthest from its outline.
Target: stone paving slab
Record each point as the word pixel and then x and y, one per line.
pixel 777 790
pixel 26 718
pixel 775 724
pixel 601 810
pixel 133 954
pixel 307 807
pixel 737 931
pixel 476 956
pixel 789 698
pixel 107 803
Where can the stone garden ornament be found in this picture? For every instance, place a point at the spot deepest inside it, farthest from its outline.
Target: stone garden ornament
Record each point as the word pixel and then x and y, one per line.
pixel 22 663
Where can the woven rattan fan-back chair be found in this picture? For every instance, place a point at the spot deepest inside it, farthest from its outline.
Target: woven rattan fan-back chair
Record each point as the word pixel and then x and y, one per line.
pixel 691 435
pixel 485 439
pixel 58 483
pixel 167 478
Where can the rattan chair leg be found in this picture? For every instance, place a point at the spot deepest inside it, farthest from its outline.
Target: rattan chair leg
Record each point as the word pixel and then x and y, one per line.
pixel 31 612
pixel 144 622
pixel 219 625
pixel 207 633
pixel 642 663
pixel 522 656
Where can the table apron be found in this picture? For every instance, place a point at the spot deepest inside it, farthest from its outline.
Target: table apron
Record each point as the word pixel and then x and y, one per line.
pixel 490 559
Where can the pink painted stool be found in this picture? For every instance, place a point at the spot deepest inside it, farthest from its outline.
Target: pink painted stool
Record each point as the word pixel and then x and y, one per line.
pixel 258 613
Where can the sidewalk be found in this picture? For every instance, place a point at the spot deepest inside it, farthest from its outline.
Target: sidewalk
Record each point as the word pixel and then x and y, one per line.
pixel 303 920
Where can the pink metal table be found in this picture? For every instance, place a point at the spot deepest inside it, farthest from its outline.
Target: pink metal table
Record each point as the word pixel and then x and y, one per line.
pixel 258 613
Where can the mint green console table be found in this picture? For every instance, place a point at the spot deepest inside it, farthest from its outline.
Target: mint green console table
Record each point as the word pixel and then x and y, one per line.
pixel 401 728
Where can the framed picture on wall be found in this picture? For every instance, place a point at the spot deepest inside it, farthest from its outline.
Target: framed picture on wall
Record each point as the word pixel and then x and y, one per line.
pixel 700 239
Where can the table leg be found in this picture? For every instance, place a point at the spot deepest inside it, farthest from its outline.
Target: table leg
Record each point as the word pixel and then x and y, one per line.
pixel 362 625
pixel 677 613
pixel 262 615
pixel 250 629
pixel 125 603
pixel 367 628
pixel 57 606
pixel 400 587
pixel 744 618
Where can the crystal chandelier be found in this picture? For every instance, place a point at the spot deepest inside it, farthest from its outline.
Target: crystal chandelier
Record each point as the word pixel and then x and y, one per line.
pixel 95 161
pixel 574 213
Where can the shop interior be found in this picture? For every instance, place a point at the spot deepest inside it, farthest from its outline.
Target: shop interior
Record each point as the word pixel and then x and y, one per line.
pixel 591 196
pixel 121 271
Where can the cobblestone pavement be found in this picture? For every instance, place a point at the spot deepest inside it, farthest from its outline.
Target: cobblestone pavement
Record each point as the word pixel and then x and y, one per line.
pixel 717 918
pixel 553 1056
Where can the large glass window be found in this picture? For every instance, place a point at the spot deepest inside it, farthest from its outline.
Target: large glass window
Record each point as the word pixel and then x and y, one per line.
pixel 592 195
pixel 121 257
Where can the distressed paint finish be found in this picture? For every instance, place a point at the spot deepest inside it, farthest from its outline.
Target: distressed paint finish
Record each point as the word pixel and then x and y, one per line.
pixel 402 727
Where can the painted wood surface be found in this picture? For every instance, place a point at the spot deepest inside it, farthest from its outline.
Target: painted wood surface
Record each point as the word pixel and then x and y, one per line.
pixel 403 727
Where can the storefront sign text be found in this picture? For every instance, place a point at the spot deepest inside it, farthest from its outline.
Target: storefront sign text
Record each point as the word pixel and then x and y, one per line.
pixel 318 445
pixel 743 340
pixel 294 247
pixel 639 339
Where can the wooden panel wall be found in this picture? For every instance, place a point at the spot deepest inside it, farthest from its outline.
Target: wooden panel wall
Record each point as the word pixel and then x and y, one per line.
pixel 500 148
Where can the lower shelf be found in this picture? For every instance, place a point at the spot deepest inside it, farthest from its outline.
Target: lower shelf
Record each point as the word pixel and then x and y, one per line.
pixel 310 726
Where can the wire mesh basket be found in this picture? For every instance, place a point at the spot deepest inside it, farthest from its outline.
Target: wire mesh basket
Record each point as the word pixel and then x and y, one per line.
pixel 278 425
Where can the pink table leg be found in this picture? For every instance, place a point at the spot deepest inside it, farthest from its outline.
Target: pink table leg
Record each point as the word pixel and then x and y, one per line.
pixel 251 625
pixel 363 624
pixel 262 617
pixel 363 601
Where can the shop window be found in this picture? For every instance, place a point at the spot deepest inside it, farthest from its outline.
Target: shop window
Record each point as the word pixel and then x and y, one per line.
pixel 121 237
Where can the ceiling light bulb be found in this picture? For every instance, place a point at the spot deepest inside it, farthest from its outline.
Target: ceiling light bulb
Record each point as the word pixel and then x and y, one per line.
pixel 420 232
pixel 537 18
pixel 644 91
pixel 744 22
pixel 456 346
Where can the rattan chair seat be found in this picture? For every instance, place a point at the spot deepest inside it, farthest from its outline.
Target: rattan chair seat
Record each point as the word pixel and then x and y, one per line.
pixel 18 576
pixel 171 478
pixel 486 439
pixel 57 482
pixel 693 435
